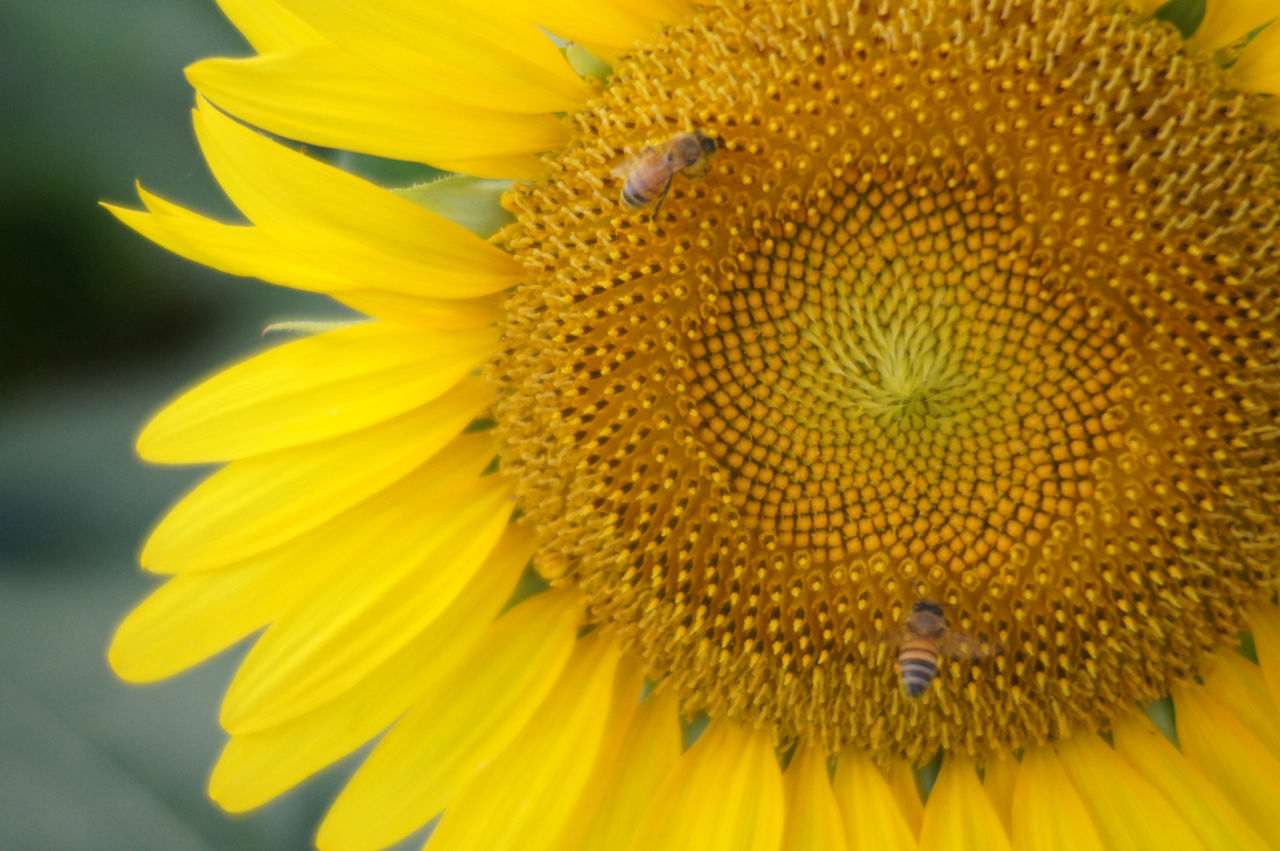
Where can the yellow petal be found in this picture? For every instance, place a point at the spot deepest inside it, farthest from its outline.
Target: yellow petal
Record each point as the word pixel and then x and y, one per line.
pixel 1237 683
pixel 255 768
pixel 624 701
pixel 434 542
pixel 427 313
pixel 958 815
pixel 633 762
pixel 251 251
pixel 523 799
pixel 267 25
pixel 358 227
pixel 1129 813
pixel 998 777
pixel 235 249
pixel 1230 755
pixel 1048 814
pixel 1264 620
pixel 724 794
pixel 902 782
pixel 457 727
pixel 1227 21
pixel 323 96
pixel 461 51
pixel 812 818
pixel 869 809
pixel 311 389
pixel 192 617
pixel 260 502
pixel 1258 68
pixel 1194 796
pixel 606 28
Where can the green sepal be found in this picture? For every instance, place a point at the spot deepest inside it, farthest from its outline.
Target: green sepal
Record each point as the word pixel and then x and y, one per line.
pixel 584 63
pixel 473 202
pixel 1186 15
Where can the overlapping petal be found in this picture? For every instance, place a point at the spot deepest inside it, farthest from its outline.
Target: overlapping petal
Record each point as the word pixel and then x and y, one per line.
pixel 812 816
pixel 457 727
pixel 868 807
pixel 1227 21
pixel 1210 814
pixel 958 815
pixel 1258 68
pixel 260 502
pixel 635 757
pixel 312 389
pixel 364 614
pixel 255 767
pixel 724 794
pixel 322 96
pixel 523 799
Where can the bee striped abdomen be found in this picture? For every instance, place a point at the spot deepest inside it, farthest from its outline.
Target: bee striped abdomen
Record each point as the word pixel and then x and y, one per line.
pixel 635 195
pixel 917 664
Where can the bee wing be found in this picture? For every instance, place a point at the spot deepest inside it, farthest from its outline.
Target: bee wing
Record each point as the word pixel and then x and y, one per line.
pixel 890 638
pixel 623 168
pixel 961 646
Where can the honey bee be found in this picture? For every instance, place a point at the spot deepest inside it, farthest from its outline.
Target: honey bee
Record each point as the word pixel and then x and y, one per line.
pixel 921 639
pixel 648 174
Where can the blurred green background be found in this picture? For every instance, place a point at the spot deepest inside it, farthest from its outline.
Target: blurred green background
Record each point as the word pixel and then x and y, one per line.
pixel 97 329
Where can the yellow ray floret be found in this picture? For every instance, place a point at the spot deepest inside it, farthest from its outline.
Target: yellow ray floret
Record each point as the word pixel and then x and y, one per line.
pixel 256 767
pixel 607 28
pixel 1227 21
pixel 812 816
pixel 193 616
pixel 1048 814
pixel 466 52
pixel 457 727
pixel 1239 685
pixel 373 607
pixel 1264 622
pixel 1258 68
pixel 724 794
pixel 998 776
pixel 291 258
pixel 342 215
pixel 197 614
pixel 1231 755
pixel 260 502
pixel 268 26
pixel 959 816
pixel 522 800
pixel 1128 812
pixel 322 96
pixel 634 759
pixel 311 389
pixel 868 807
pixel 235 249
pixel 1199 800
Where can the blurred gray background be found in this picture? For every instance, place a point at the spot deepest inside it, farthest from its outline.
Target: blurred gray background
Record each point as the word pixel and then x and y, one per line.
pixel 97 329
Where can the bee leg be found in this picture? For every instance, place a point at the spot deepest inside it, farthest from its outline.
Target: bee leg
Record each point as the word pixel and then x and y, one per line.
pixel 658 206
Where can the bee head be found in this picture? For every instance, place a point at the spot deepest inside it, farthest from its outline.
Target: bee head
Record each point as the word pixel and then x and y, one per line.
pixel 930 606
pixel 709 144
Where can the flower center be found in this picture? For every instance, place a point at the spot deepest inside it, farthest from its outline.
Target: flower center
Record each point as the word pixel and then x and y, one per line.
pixel 974 302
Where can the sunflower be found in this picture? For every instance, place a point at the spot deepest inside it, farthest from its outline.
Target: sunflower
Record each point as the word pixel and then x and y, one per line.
pixel 611 519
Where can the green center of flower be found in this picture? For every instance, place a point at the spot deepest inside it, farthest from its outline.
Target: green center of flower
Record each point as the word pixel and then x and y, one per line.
pixel 969 305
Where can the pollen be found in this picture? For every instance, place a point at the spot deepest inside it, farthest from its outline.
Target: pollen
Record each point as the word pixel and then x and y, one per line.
pixel 977 300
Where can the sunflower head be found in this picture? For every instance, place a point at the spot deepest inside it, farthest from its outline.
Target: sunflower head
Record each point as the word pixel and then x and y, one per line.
pixel 972 305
